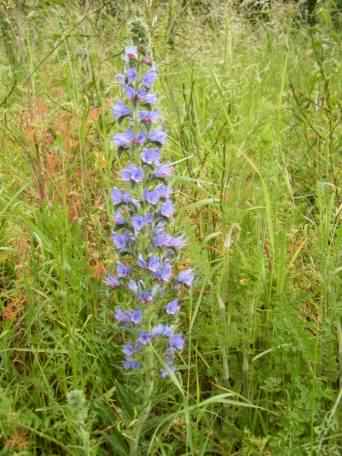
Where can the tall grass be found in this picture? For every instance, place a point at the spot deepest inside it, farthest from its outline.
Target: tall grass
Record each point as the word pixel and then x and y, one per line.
pixel 254 122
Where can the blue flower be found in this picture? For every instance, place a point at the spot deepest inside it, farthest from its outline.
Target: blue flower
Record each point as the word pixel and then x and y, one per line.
pixel 172 307
pixel 131 75
pixel 140 221
pixel 186 277
pixel 167 209
pixel 144 338
pixel 145 296
pixel 132 173
pixel 121 197
pixel 128 138
pixel 131 364
pixel 162 330
pixel 145 97
pixel 149 78
pixel 157 137
pixel 128 78
pixel 163 239
pixel 176 342
pixel 120 111
pixel 150 156
pixel 128 316
pixel 119 218
pixel 129 350
pixel 148 117
pixel 112 281
pixel 163 170
pixel 164 191
pixel 164 273
pixel 152 196
pixel 153 263
pixel 122 270
pixel 136 316
pixel 122 241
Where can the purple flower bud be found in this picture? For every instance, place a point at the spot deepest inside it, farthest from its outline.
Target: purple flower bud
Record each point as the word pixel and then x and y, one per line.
pixel 148 117
pixel 164 170
pixel 122 270
pixel 149 78
pixel 172 307
pixel 120 111
pixel 167 209
pixel 176 342
pixel 132 173
pixel 157 137
pixel 147 60
pixel 112 281
pixel 150 156
pixel 186 277
pixel 131 53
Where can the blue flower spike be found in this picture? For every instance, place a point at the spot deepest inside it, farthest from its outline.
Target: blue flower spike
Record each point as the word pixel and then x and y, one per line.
pixel 147 252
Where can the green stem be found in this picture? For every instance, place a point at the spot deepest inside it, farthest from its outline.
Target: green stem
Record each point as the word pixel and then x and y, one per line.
pixel 147 406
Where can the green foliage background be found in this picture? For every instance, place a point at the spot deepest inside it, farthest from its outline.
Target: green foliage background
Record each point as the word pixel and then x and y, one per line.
pixel 253 111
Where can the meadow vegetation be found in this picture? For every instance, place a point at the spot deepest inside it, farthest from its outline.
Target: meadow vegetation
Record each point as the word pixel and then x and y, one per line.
pixel 253 111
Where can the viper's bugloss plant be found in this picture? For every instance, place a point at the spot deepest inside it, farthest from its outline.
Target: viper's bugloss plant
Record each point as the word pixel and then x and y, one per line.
pixel 148 250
